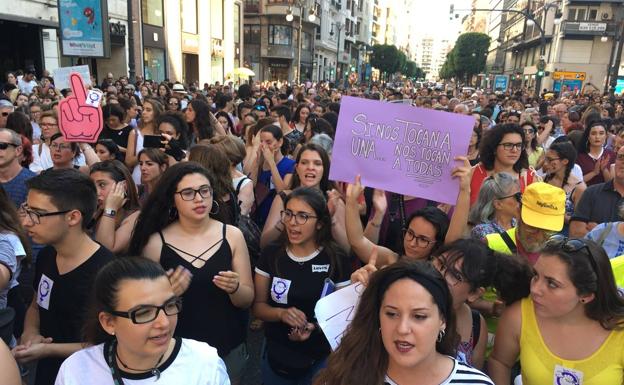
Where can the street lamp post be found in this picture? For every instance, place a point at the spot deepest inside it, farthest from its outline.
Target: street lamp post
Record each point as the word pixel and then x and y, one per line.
pixel 339 26
pixel 301 4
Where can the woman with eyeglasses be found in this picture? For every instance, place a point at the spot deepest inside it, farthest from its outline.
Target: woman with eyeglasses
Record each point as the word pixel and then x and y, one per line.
pixel 208 260
pixel 595 160
pixel 173 103
pixel 42 156
pixel 130 325
pixel 559 163
pixel 497 207
pixel 64 154
pixel 535 153
pixel 403 332
pixel 569 330
pixel 311 170
pixel 290 276
pixel 502 150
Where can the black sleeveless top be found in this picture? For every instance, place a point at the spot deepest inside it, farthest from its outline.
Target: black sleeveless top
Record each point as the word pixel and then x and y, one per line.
pixel 207 315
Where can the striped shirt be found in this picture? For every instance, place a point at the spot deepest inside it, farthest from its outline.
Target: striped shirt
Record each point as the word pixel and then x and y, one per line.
pixel 461 374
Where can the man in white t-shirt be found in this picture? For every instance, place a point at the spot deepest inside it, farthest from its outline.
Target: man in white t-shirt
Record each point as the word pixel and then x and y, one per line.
pixel 27 82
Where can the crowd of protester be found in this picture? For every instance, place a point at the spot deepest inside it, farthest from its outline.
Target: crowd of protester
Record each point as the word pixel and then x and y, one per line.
pixel 202 213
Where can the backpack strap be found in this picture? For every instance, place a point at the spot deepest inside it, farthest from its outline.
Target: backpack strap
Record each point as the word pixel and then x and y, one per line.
pixel 239 185
pixel 604 234
pixel 476 327
pixel 509 242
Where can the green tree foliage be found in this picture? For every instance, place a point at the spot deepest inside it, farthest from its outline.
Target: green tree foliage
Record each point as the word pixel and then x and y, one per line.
pixel 468 56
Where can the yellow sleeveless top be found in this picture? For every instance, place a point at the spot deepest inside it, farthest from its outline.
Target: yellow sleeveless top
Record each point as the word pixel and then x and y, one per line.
pixel 541 367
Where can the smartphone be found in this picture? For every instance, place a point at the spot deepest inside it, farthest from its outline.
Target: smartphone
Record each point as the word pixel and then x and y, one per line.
pixel 153 141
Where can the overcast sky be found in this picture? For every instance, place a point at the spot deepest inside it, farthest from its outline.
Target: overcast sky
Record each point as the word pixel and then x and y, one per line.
pixel 433 19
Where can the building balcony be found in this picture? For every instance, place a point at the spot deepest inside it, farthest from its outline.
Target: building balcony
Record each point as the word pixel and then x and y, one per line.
pixel 589 28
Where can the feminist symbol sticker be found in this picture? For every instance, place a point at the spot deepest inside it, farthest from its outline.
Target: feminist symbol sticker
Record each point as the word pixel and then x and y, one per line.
pixel 279 290
pixel 80 115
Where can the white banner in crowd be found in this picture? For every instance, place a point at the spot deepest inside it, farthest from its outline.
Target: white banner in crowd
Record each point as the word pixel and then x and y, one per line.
pixel 61 76
pixel 335 312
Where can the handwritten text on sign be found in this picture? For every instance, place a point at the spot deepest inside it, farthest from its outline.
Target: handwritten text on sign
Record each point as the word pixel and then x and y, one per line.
pixel 335 312
pixel 400 148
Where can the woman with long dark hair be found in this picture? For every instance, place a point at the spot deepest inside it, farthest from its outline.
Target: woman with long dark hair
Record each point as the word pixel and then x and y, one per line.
pixel 570 329
pixel 202 122
pixel 176 229
pixel 272 171
pixel 300 116
pixel 130 327
pixel 118 205
pixel 534 152
pixel 290 276
pixel 502 150
pixel 311 170
pixel 405 320
pixel 14 253
pixel 152 109
pixel 558 164
pixel 595 160
pixel 152 163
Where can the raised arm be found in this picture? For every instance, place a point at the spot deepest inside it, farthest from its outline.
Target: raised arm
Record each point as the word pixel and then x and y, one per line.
pixel 459 220
pixel 361 246
pixel 380 206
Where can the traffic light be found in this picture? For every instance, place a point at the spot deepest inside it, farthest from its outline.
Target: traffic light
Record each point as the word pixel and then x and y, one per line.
pixel 451 11
pixel 540 74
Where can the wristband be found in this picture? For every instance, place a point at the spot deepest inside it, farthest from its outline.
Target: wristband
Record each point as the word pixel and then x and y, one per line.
pixel 109 213
pixel 375 224
pixel 237 286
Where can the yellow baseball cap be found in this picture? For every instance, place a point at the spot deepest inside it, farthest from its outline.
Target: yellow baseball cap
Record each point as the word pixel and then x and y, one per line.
pixel 543 206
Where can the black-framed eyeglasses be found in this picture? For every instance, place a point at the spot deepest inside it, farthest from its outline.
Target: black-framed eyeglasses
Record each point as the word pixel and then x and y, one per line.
pixel 515 146
pixel 572 245
pixel 300 217
pixel 452 275
pixel 517 196
pixel 5 145
pixel 142 314
pixel 35 216
pixel 421 241
pixel 547 159
pixel 188 194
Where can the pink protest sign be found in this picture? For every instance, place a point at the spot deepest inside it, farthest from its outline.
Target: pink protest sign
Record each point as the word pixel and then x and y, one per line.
pixel 79 119
pixel 400 148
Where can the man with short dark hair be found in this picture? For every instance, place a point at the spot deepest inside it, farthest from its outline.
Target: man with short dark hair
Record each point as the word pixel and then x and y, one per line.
pixel 57 211
pixel 13 176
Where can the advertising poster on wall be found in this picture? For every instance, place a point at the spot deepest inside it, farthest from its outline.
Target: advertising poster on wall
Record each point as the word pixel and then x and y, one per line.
pixel 84 28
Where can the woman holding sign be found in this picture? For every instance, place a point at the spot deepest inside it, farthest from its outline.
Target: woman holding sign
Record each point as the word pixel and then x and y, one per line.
pixel 502 150
pixel 291 276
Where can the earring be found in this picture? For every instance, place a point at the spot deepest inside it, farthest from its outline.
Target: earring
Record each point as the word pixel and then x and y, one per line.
pixel 215 203
pixel 441 335
pixel 582 301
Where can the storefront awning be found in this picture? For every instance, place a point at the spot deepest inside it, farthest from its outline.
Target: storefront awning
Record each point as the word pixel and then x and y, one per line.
pixel 29 20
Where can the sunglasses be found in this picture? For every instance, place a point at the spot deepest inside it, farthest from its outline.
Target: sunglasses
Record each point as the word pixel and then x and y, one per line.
pixel 517 196
pixel 572 246
pixel 5 145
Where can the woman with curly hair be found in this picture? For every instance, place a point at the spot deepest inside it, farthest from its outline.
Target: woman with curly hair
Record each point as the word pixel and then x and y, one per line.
pixel 502 150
